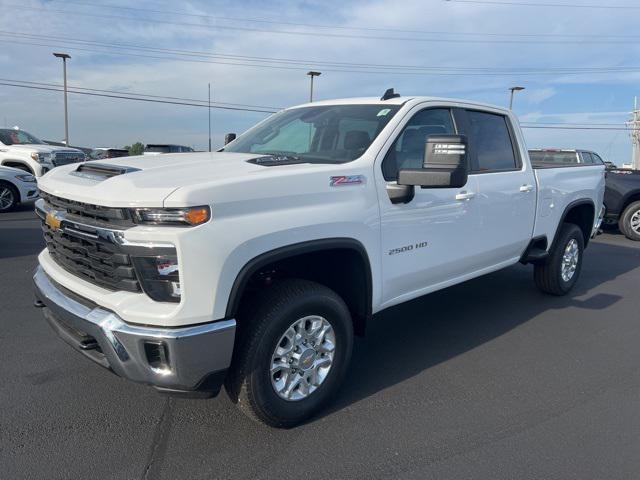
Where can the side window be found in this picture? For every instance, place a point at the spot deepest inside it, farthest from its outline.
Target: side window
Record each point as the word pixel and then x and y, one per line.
pixel 408 149
pixel 490 142
pixel 587 158
pixel 597 159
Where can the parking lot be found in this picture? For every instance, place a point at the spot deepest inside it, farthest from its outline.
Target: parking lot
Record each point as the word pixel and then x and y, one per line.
pixel 488 379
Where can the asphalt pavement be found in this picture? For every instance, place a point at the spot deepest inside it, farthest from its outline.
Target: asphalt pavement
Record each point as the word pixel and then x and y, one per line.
pixel 490 379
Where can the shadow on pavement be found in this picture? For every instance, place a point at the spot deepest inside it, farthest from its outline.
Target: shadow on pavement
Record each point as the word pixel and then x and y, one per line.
pixel 405 340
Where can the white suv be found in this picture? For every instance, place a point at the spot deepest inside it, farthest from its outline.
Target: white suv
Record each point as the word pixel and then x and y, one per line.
pixel 19 149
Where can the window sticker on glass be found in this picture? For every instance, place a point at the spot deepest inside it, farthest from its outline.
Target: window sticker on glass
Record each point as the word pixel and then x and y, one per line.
pixel 383 112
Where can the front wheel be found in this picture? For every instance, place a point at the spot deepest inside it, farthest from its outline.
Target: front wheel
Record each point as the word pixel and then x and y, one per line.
pixel 9 197
pixel 560 272
pixel 630 222
pixel 292 353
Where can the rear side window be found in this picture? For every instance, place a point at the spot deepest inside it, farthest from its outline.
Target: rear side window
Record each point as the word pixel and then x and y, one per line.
pixel 490 142
pixel 587 158
pixel 596 159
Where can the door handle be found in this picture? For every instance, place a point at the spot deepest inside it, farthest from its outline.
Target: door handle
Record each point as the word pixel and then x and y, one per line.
pixel 464 195
pixel 526 188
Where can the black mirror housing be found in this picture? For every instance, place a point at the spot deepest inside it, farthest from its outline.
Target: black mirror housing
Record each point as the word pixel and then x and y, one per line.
pixel 229 137
pixel 445 164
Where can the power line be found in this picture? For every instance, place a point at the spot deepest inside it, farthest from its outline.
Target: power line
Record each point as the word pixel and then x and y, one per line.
pixel 562 5
pixel 589 40
pixel 124 97
pixel 420 71
pixel 140 94
pixel 307 63
pixel 335 27
pixel 32 85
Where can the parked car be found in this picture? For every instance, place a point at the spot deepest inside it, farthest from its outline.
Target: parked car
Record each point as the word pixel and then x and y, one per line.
pixel 102 153
pixel 19 149
pixel 622 192
pixel 256 270
pixel 16 186
pixel 156 149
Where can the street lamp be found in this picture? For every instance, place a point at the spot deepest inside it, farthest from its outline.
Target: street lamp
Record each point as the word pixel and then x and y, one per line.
pixel 514 89
pixel 64 58
pixel 312 74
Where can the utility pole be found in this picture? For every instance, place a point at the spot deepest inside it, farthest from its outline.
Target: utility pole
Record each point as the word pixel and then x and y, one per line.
pixel 64 58
pixel 634 125
pixel 514 89
pixel 312 74
pixel 209 117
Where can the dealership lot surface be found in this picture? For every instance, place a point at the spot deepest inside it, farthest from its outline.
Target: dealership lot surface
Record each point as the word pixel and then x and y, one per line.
pixel 488 379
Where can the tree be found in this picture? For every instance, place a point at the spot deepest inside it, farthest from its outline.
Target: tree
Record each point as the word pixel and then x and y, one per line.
pixel 135 149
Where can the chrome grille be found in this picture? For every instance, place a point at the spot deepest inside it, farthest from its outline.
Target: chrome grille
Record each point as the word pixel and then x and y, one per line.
pixel 65 158
pixel 120 217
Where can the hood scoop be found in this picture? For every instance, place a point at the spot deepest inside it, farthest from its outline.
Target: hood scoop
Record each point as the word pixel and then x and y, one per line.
pixel 101 171
pixel 275 160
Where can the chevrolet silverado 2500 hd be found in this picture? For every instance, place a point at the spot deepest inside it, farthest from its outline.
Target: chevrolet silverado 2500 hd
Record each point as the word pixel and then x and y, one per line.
pixel 254 266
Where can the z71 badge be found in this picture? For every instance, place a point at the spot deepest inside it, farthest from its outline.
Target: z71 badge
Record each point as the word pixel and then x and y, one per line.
pixel 341 180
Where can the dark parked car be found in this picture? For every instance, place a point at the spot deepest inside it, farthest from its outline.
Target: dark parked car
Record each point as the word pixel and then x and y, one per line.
pixel 622 192
pixel 101 153
pixel 155 149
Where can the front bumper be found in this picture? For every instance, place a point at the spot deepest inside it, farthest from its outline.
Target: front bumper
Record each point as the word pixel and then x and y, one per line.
pixel 190 360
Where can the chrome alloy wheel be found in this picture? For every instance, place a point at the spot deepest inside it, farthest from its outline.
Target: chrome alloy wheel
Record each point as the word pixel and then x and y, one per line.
pixel 6 198
pixel 570 260
pixel 303 358
pixel 634 221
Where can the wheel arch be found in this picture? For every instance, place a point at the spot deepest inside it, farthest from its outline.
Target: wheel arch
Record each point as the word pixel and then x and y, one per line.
pixel 581 213
pixel 17 163
pixel 15 188
pixel 629 198
pixel 315 260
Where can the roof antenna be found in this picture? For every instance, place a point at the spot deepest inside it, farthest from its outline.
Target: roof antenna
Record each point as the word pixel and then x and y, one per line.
pixel 389 94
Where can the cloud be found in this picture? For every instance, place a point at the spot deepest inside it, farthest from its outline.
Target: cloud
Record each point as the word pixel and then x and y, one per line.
pixel 96 121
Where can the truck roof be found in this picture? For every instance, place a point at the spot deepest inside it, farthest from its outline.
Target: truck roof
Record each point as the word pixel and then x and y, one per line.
pixel 396 101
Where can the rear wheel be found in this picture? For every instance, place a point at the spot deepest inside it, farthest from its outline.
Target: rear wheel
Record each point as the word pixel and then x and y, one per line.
pixel 560 272
pixel 630 222
pixel 9 197
pixel 292 353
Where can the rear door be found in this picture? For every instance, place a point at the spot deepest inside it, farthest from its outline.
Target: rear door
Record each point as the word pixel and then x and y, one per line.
pixel 506 199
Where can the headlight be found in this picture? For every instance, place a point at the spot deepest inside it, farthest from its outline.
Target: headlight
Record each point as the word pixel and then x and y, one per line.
pixel 159 276
pixel 172 216
pixel 42 157
pixel 27 177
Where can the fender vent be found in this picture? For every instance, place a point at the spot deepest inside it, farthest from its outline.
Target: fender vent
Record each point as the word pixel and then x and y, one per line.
pixel 101 171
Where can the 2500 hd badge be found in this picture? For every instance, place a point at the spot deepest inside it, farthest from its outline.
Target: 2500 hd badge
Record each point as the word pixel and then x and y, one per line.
pixel 408 248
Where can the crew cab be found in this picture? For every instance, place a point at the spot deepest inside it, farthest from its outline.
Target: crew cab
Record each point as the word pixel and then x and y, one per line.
pixel 256 265
pixel 622 187
pixel 19 149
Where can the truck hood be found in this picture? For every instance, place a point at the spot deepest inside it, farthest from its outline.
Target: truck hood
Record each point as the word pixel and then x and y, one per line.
pixel 148 180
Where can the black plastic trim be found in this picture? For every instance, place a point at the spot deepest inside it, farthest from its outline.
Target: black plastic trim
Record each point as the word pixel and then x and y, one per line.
pixel 567 209
pixel 282 253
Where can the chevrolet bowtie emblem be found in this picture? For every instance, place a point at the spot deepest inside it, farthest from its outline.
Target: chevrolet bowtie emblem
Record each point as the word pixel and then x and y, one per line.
pixel 53 220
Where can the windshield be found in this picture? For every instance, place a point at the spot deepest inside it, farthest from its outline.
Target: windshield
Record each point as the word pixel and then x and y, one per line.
pixel 322 134
pixel 18 137
pixel 538 156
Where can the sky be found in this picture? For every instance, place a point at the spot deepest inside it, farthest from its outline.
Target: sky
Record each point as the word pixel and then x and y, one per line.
pixel 576 62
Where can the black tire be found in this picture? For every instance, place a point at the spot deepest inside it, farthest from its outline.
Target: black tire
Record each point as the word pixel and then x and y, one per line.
pixel 548 275
pixel 7 189
pixel 261 327
pixel 633 210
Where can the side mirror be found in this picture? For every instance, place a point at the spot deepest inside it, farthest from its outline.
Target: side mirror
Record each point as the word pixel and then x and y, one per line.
pixel 445 164
pixel 229 137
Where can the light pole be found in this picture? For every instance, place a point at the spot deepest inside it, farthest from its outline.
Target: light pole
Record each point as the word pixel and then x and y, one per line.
pixel 64 57
pixel 209 117
pixel 513 89
pixel 312 74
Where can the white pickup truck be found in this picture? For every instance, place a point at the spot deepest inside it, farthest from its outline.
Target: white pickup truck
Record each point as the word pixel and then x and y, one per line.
pixel 19 149
pixel 254 266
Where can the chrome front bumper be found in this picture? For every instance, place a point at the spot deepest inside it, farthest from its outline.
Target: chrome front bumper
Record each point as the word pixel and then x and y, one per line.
pixel 175 360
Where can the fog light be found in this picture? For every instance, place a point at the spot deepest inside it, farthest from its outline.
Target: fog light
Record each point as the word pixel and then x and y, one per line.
pixel 157 356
